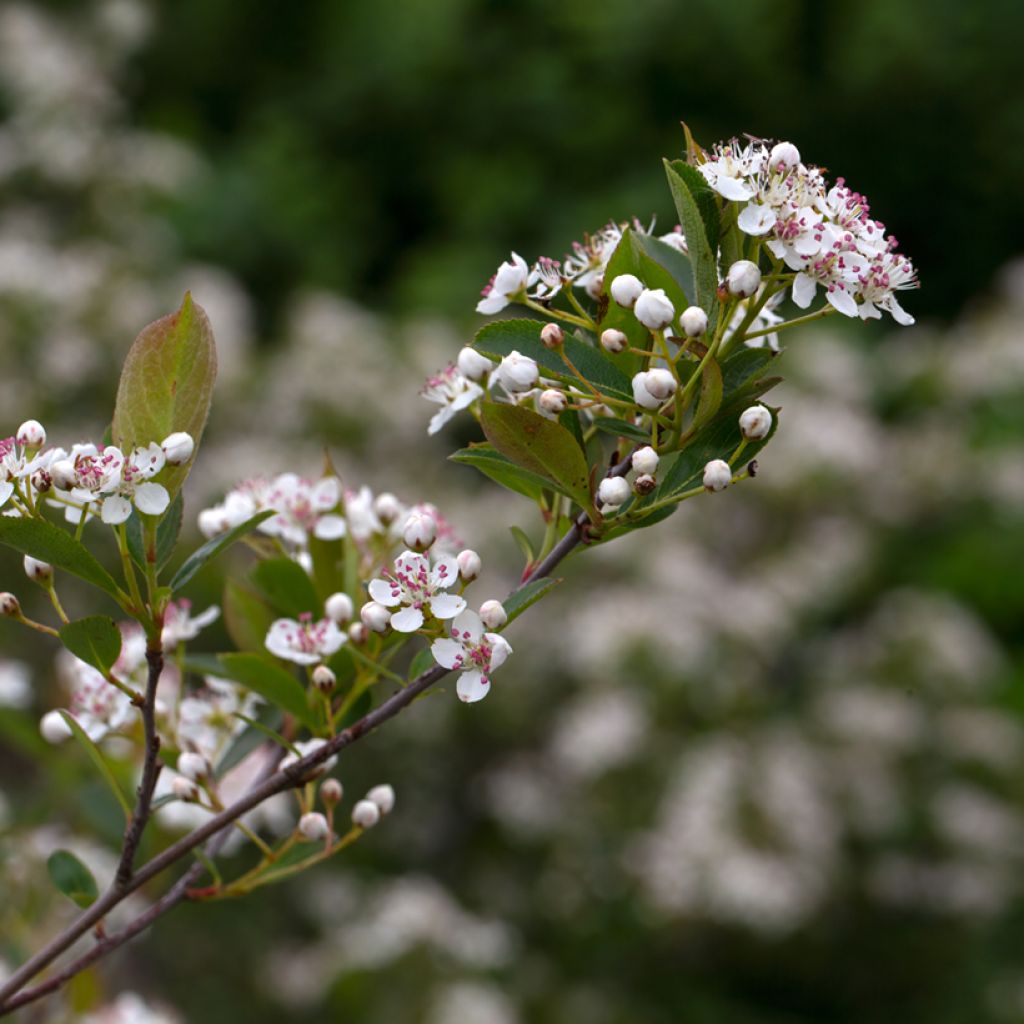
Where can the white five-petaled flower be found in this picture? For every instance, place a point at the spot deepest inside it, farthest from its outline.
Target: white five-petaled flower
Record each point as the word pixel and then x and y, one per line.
pixel 730 168
pixel 416 587
pixel 453 391
pixel 180 625
pixel 303 508
pixel 135 486
pixel 472 652
pixel 511 280
pixel 305 642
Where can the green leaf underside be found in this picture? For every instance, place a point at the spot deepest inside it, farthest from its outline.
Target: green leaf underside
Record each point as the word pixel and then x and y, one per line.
pixel 286 586
pixel 540 446
pixel 96 640
pixel 167 384
pixel 97 758
pixel 72 878
pixel 275 684
pixel 167 532
pixel 49 543
pixel 214 547
pixel 702 257
pixel 528 595
pixel 504 471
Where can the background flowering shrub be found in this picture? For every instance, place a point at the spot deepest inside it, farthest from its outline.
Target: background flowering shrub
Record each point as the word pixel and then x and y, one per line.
pixel 783 784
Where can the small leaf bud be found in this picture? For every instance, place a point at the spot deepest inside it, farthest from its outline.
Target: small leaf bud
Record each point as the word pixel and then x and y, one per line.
pixel 743 279
pixel 365 814
pixel 178 448
pixel 387 507
pixel 717 475
pixel 694 321
pixel 375 616
pixel 626 289
pixel 31 434
pixel 553 401
pixel 493 614
pixel 756 422
pixel 613 491
pixel 470 564
pixel 193 766
pixel 383 796
pixel 338 607
pixel 184 789
pixel 313 827
pixel 645 460
pixel 552 336
pixel 10 605
pixel 331 792
pixel 38 572
pixel 420 531
pixel 654 309
pixel 644 484
pixel 473 365
pixel 614 341
pixel 53 728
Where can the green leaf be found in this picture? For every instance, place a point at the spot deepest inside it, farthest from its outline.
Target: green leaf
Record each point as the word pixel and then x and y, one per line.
pixel 710 399
pixel 360 706
pixel 527 595
pixel 498 339
pixel 214 547
pixel 167 532
pixel 95 640
pixel 524 542
pixel 328 565
pixel 542 447
pixel 423 661
pixel 49 543
pixel 706 198
pixel 96 756
pixel 246 616
pixel 286 585
pixel 72 878
pixel 622 428
pixel 702 256
pixel 270 681
pixel 247 741
pixel 502 470
pixel 167 385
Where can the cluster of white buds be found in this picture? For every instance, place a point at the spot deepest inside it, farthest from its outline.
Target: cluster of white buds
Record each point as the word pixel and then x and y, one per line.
pixel 652 387
pixel 378 802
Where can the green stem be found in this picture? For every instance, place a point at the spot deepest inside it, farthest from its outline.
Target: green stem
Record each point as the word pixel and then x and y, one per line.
pixel 809 318
pixel 558 314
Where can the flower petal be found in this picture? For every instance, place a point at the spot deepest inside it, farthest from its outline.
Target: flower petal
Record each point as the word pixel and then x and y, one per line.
pixel 447 653
pixel 408 620
pixel 446 572
pixel 330 527
pixel 115 510
pixel 468 627
pixel 473 686
pixel 152 499
pixel 804 288
pixel 447 606
pixel 500 649
pixel 381 591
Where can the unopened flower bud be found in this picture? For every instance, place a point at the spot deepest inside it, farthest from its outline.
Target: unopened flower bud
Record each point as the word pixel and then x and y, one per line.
pixel 552 336
pixel 387 507
pixel 553 401
pixel 614 341
pixel 517 373
pixel 783 157
pixel 324 679
pixel 38 572
pixel 654 309
pixel 331 792
pixel 594 286
pixel 193 766
pixel 694 321
pixel 743 279
pixel 645 460
pixel 184 789
pixel 338 607
pixel 493 614
pixel 383 796
pixel 469 564
pixel 313 827
pixel 644 484
pixel 62 472
pixel 358 633
pixel 31 434
pixel 211 522
pixel 365 814
pixel 42 481
pixel 10 605
pixel 613 491
pixel 472 364
pixel 420 531
pixel 626 289
pixel 717 475
pixel 375 616
pixel 178 448
pixel 755 422
pixel 660 383
pixel 53 728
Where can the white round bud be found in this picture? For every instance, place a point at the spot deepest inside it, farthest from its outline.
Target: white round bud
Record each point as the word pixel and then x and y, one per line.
pixel 313 827
pixel 211 522
pixel 193 766
pixel 717 475
pixel 178 448
pixel 358 633
pixel 40 572
pixel 645 460
pixel 644 484
pixel 338 607
pixel 62 473
pixel 694 321
pixel 324 679
pixel 375 616
pixel 613 491
pixel 9 605
pixel 594 286
pixel 331 792
pixel 654 309
pixel 472 364
pixel 517 373
pixel 626 289
pixel 365 814
pixel 553 401
pixel 783 157
pixel 383 796
pixel 641 395
pixel 184 789
pixel 420 531
pixel 493 614
pixel 755 422
pixel 469 563
pixel 42 481
pixel 660 383
pixel 552 336
pixel 614 341
pixel 387 507
pixel 53 728
pixel 31 434
pixel 743 279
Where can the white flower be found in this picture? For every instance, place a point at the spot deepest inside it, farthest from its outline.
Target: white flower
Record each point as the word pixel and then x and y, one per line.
pixel 493 614
pixel 303 508
pixel 694 321
pixel 654 309
pixel 15 685
pixel 452 391
pixel 417 588
pixel 517 373
pixel 743 278
pixel 31 434
pixel 339 607
pixel 207 719
pixel 731 169
pixel 472 365
pixel 383 796
pixel 305 642
pixel 756 219
pixel 374 616
pixel 419 531
pixel 613 491
pixel 178 448
pixel 645 460
pixel 473 652
pixel 626 289
pixel 365 814
pixel 586 264
pixel 755 422
pixel 511 281
pixel 84 477
pixel 614 341
pixel 180 626
pixel 552 401
pixel 717 475
pixel 193 766
pixel 313 827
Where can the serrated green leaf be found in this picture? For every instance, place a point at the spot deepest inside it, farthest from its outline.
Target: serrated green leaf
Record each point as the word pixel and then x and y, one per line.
pixel 97 758
pixel 49 543
pixel 95 640
pixel 502 470
pixel 286 586
pixel 702 255
pixel 214 547
pixel 528 594
pixel 167 533
pixel 540 446
pixel 167 385
pixel 72 878
pixel 706 198
pixel 246 616
pixel 270 681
